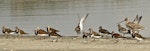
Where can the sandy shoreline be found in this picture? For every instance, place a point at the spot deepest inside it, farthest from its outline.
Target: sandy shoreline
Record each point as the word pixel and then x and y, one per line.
pixel 70 44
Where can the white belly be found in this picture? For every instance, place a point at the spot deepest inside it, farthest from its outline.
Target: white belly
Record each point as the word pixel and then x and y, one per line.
pixel 54 36
pixel 138 38
pixel 12 33
pixel 124 32
pixel 42 34
pixel 95 36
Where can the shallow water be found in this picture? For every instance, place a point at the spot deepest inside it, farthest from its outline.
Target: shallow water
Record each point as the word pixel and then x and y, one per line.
pixel 63 14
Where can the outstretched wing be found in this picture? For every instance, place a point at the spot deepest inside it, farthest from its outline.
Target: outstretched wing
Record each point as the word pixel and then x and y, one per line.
pixel 136 19
pixel 139 19
pixel 82 20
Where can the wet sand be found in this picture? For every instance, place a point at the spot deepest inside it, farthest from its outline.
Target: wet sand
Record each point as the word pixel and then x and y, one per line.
pixel 33 43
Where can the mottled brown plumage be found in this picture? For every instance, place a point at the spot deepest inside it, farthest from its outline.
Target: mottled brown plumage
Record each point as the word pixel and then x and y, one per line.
pixel 117 36
pixel 123 30
pixel 77 29
pixel 133 26
pixel 19 31
pixel 6 30
pixel 104 31
pixel 138 37
pixel 50 29
pixel 53 34
pixel 41 31
pixel 94 34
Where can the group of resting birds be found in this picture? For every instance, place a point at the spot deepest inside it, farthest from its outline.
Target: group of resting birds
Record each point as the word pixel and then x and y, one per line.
pixel 16 31
pixel 38 32
pixel 132 28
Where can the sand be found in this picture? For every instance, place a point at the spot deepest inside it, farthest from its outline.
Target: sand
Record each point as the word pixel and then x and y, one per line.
pixel 32 43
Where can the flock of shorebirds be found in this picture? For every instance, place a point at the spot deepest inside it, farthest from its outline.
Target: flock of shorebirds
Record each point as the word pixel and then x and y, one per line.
pixel 38 32
pixel 132 28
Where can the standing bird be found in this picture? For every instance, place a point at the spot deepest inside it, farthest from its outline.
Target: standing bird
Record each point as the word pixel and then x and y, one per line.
pixel 7 32
pixel 117 36
pixel 51 29
pixel 104 31
pixel 79 27
pixel 86 35
pixel 53 34
pixel 135 27
pixel 41 33
pixel 94 34
pixel 20 32
pixel 123 30
pixel 138 37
